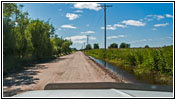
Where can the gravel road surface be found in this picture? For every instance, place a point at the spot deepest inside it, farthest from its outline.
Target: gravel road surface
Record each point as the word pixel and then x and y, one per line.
pixel 75 67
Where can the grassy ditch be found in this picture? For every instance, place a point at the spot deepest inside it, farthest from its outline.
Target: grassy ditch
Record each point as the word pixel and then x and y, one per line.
pixel 151 65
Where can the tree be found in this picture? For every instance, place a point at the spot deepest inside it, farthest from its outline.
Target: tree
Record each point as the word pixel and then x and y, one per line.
pixel 96 46
pixel 74 49
pixel 40 38
pixel 9 36
pixel 88 47
pixel 146 46
pixel 23 37
pixel 124 45
pixel 22 22
pixel 113 45
pixel 66 47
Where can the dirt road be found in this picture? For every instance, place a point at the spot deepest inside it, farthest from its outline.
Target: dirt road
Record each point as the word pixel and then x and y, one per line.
pixel 75 67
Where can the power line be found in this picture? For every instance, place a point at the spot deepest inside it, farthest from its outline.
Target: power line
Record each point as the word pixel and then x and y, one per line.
pixel 105 7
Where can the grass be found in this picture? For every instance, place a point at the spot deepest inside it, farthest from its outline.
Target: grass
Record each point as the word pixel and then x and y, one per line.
pixel 151 65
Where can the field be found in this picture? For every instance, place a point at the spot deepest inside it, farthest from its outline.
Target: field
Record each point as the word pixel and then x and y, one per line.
pixel 150 65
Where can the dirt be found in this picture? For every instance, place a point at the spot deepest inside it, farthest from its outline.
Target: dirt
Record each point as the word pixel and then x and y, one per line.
pixel 71 68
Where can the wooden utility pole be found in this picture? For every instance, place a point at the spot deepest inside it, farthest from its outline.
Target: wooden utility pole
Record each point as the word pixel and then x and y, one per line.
pixel 104 7
pixel 87 39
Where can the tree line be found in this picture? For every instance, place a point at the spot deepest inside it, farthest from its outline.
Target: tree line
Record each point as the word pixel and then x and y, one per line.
pixel 25 38
pixel 113 45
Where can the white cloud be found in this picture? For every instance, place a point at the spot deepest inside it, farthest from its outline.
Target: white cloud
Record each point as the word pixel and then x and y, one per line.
pixel 146 19
pixel 79 41
pixel 154 29
pixel 114 27
pixel 169 16
pixel 79 38
pixel 109 27
pixel 71 16
pixel 68 26
pixel 88 5
pixel 143 40
pixel 159 25
pixel 88 32
pixel 92 38
pixel 133 23
pixel 158 17
pixel 115 37
pixel 78 11
pixel 120 25
pixel 76 39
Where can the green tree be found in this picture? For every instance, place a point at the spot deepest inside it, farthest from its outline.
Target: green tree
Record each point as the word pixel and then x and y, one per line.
pixel 66 47
pixel 9 39
pixel 96 46
pixel 40 38
pixel 113 45
pixel 88 47
pixel 146 46
pixel 22 22
pixel 26 38
pixel 124 45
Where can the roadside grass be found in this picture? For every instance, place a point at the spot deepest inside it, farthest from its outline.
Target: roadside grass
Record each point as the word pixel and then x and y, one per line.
pixel 150 65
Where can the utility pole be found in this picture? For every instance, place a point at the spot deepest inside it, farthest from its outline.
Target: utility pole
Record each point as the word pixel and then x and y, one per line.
pixel 104 7
pixel 87 39
pixel 84 45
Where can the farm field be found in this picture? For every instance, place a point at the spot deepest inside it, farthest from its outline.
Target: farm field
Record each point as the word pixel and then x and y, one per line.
pixel 151 65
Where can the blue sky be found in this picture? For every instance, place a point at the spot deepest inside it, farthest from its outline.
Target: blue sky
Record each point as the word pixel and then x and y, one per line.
pixel 138 24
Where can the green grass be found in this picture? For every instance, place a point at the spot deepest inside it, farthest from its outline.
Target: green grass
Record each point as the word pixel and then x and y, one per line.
pixel 151 65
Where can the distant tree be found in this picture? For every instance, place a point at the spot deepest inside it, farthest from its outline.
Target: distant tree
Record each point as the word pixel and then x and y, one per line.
pixel 96 46
pixel 66 47
pixel 146 46
pixel 74 49
pixel 127 46
pixel 124 45
pixel 88 47
pixel 113 45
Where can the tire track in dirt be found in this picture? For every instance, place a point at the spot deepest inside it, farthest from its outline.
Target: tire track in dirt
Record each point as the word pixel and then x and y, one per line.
pixel 75 67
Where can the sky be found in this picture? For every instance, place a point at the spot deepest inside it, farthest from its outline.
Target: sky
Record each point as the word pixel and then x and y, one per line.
pixel 138 24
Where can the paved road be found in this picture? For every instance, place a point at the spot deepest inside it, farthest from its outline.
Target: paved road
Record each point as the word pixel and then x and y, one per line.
pixel 75 67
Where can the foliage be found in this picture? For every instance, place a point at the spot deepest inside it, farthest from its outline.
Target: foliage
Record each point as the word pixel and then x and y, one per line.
pixel 96 46
pixel 25 39
pixel 113 45
pixel 146 46
pixel 124 45
pixel 88 47
pixel 142 62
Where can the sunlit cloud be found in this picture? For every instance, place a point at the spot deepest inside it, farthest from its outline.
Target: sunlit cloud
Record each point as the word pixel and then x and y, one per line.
pixel 88 32
pixel 159 25
pixel 133 23
pixel 79 38
pixel 169 16
pixel 68 26
pixel 71 16
pixel 78 11
pixel 87 5
pixel 115 37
